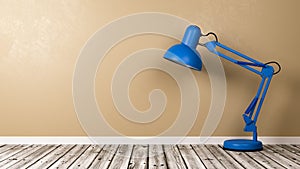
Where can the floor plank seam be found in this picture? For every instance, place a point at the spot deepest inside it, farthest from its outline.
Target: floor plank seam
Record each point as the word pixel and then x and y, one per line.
pixel 197 155
pixel 165 156
pixel 43 156
pixel 255 160
pixel 61 156
pixel 78 157
pixel 271 159
pixel 226 151
pixel 182 156
pixel 113 156
pixel 148 159
pixel 129 161
pixel 206 146
pixel 95 157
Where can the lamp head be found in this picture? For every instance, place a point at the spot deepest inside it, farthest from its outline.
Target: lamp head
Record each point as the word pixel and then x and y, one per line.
pixel 185 53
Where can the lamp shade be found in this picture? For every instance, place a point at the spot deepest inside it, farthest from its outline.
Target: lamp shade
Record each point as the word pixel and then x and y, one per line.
pixel 185 53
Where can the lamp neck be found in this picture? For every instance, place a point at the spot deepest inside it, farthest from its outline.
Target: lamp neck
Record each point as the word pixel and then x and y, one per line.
pixel 191 36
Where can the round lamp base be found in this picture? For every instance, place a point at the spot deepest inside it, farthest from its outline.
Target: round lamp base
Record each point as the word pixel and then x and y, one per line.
pixel 242 145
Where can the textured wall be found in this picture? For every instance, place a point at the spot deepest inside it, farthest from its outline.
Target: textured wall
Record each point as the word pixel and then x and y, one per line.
pixel 40 41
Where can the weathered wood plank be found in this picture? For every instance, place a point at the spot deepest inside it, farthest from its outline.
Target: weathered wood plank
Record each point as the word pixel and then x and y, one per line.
pixel 53 156
pixel 70 157
pixel 287 154
pixel 263 160
pixel 279 158
pixel 86 159
pixel 157 157
pixel 223 157
pixel 105 157
pixel 33 157
pixel 139 157
pixel 190 157
pixel 144 156
pixel 11 151
pixel 296 145
pixel 245 160
pixel 173 157
pixel 122 157
pixel 209 160
pixel 290 148
pixel 7 147
pixel 19 156
pixel 2 145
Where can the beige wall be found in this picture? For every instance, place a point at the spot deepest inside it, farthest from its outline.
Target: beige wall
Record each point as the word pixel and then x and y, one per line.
pixel 40 41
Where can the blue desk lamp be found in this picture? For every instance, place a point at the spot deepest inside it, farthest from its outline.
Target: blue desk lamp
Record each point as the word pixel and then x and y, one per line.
pixel 186 54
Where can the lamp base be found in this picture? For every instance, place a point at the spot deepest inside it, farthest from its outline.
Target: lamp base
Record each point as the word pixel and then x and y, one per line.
pixel 242 145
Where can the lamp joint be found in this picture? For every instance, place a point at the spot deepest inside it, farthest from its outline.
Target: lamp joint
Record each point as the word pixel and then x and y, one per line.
pixel 267 71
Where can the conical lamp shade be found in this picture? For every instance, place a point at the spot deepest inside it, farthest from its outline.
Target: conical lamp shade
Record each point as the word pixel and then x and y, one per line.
pixel 185 53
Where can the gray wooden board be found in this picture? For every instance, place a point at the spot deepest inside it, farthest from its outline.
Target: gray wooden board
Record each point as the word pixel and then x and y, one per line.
pixel 144 156
pixel 11 151
pixel 296 145
pixel 52 157
pixel 264 160
pixel 157 157
pixel 33 157
pixel 245 160
pixel 209 160
pixel 287 154
pixel 19 156
pixel 122 157
pixel 105 157
pixel 8 147
pixel 274 155
pixel 223 157
pixel 86 159
pixel 291 148
pixel 139 157
pixel 190 157
pixel 173 157
pixel 67 160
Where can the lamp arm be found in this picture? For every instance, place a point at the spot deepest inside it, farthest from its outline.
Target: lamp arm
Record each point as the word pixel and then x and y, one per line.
pixel 266 74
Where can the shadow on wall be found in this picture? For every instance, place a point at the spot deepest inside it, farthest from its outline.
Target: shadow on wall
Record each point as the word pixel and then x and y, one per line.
pixel 284 102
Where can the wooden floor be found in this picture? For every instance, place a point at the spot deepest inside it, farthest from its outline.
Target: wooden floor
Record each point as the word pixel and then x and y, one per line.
pixel 146 156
